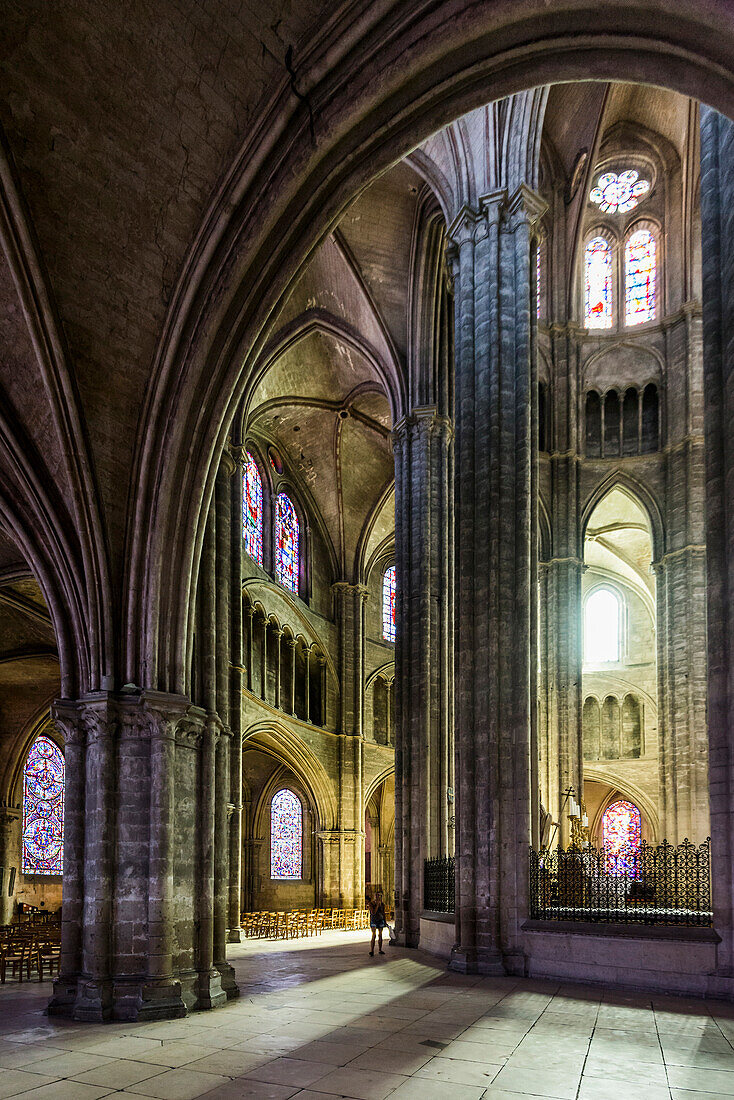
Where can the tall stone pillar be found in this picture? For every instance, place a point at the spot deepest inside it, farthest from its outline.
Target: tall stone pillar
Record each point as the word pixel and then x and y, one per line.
pixel 236 676
pixel 9 859
pixel 717 232
pixel 424 537
pixel 495 575
pixel 136 775
pixel 350 601
pixel 681 593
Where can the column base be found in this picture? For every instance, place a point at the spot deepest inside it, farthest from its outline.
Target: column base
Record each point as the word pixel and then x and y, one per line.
pixel 209 990
pixel 472 960
pixel 234 935
pixel 228 980
pixel 81 999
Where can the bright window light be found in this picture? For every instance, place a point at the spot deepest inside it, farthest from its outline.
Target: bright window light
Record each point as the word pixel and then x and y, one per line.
pixel 601 627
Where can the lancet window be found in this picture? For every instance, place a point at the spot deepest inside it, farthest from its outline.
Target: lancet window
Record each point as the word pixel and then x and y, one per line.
pixel 43 809
pixel 286 836
pixel 622 836
pixel 640 277
pixel 602 623
pixel 286 542
pixel 599 303
pixel 388 604
pixel 252 510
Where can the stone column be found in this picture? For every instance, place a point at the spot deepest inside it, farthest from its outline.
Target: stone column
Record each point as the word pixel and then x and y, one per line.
pixel 278 639
pixel 350 604
pixel 264 667
pixel 291 644
pixel 681 593
pixel 495 662
pixel 307 683
pixel 423 447
pixel 9 859
pixel 717 203
pixel 250 643
pixel 235 899
pixel 133 772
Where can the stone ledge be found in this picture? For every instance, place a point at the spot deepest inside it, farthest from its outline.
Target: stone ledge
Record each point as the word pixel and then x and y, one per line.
pixel 442 918
pixel 624 931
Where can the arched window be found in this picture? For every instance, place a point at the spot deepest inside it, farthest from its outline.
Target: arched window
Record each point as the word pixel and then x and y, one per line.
pixel 601 627
pixel 598 270
pixel 252 510
pixel 621 835
pixel 388 604
pixel 286 543
pixel 43 809
pixel 286 836
pixel 640 273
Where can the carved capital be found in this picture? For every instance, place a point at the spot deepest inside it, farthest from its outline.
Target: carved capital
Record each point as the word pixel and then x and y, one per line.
pixel 525 207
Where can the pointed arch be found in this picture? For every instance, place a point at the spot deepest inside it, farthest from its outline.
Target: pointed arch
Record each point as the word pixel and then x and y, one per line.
pixel 278 741
pixel 641 496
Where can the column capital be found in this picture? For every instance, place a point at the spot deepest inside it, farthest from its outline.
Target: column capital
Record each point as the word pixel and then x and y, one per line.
pixel 344 588
pixel 423 420
pixel 525 206
pixel 463 228
pixel 228 464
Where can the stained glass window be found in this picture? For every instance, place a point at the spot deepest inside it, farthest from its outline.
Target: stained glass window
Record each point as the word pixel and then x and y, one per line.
pixel 639 277
pixel 43 809
pixel 286 836
pixel 252 510
pixel 601 627
pixel 538 270
pixel 621 833
pixel 618 194
pixel 388 604
pixel 598 267
pixel 286 542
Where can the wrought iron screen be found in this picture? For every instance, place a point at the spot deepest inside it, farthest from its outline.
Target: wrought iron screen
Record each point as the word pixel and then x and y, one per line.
pixel 666 884
pixel 439 885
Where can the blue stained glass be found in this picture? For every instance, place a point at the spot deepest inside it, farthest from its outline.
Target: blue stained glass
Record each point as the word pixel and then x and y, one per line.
pixel 286 836
pixel 621 834
pixel 252 510
pixel 640 277
pixel 388 604
pixel 598 267
pixel 43 809
pixel 286 543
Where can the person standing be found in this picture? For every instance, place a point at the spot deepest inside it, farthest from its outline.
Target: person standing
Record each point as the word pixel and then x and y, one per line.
pixel 378 922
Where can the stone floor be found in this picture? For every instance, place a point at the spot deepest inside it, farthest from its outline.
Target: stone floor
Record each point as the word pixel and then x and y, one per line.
pixel 319 1019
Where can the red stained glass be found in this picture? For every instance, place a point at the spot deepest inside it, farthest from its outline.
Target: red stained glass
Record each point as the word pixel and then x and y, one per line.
pixel 252 510
pixel 286 836
pixel 388 604
pixel 622 835
pixel 640 278
pixel 43 809
pixel 286 543
pixel 598 266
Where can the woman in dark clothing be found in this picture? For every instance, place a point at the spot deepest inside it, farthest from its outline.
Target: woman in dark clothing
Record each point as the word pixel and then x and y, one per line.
pixel 377 921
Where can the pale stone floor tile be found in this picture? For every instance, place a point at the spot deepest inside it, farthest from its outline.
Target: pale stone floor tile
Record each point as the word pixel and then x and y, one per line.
pixel 700 1059
pixel 20 1055
pixel 119 1074
pixel 421 1089
pixel 393 1061
pixel 122 1047
pixel 70 1063
pixel 553 1060
pixel 701 1080
pixel 336 1054
pixel 594 1088
pixel 561 1085
pixel 68 1090
pixel 470 1052
pixel 247 1090
pixel 179 1084
pixel 453 1072
pixel 229 1063
pixel 13 1082
pixel 695 1045
pixel 629 1071
pixel 360 1084
pixel 174 1053
pixel 686 1094
pixel 290 1071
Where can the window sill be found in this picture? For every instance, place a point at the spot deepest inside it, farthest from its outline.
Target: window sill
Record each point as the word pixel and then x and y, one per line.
pixel 625 931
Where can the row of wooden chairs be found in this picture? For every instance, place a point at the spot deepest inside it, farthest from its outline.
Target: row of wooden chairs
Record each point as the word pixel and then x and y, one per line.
pixel 29 949
pixel 284 925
